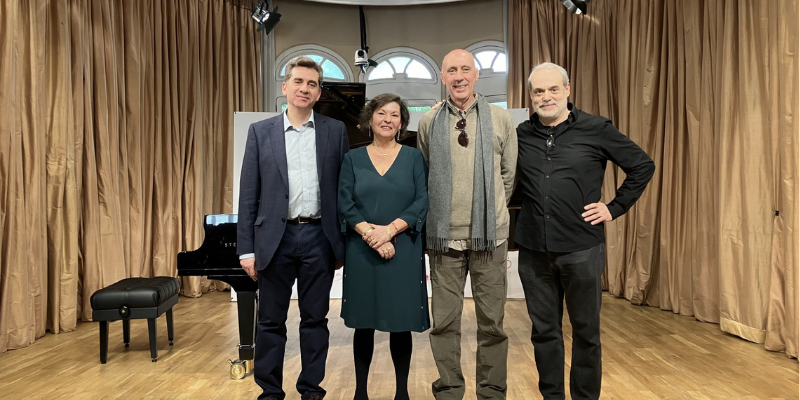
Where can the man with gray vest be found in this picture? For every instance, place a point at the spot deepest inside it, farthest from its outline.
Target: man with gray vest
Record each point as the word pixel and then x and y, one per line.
pixel 471 150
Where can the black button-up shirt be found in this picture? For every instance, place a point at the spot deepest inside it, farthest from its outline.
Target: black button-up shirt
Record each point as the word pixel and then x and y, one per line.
pixel 558 180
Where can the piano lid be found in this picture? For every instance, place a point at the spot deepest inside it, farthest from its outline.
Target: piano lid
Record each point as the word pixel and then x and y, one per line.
pixel 344 101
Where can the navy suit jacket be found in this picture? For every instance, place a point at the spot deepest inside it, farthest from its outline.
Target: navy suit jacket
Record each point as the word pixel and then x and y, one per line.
pixel 264 186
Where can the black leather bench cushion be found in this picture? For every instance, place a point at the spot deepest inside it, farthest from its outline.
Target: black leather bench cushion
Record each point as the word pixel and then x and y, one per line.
pixel 135 293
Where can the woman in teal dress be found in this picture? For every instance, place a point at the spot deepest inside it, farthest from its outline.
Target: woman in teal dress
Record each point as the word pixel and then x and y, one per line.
pixel 383 201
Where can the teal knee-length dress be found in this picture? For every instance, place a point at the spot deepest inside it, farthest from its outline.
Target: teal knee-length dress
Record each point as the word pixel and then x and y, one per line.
pixel 386 295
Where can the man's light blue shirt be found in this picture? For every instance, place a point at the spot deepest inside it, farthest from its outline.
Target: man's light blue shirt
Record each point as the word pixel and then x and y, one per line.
pixel 301 163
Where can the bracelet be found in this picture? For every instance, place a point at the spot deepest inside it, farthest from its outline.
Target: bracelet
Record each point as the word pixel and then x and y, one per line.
pixel 395 228
pixel 370 229
pixel 389 232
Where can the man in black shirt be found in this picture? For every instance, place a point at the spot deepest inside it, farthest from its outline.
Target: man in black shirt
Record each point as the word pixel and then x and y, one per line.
pixel 563 154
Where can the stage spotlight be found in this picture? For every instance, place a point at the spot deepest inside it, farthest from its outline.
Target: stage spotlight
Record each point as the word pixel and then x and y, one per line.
pixel 265 18
pixel 575 6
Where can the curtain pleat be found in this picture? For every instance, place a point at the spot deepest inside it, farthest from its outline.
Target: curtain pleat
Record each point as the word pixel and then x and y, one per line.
pixel 117 120
pixel 709 89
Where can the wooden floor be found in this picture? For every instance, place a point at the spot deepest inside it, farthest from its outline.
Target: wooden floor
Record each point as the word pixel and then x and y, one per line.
pixel 647 354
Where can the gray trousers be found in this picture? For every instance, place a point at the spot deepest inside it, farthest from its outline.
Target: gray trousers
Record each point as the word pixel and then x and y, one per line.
pixel 489 287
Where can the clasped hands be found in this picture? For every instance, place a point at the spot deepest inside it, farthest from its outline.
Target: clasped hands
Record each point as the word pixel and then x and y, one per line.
pixel 379 237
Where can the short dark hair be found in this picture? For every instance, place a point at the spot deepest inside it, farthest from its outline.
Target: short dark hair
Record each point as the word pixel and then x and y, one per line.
pixel 305 62
pixel 376 103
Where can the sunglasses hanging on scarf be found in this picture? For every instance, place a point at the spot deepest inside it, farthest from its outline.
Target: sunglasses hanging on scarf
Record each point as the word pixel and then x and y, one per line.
pixel 463 138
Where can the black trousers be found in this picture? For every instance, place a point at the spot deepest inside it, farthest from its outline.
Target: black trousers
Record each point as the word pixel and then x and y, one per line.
pixel 548 279
pixel 304 254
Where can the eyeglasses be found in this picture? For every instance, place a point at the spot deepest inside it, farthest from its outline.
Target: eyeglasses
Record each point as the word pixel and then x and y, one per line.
pixel 463 139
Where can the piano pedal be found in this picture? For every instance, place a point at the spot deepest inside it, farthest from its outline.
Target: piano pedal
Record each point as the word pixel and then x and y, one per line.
pixel 240 368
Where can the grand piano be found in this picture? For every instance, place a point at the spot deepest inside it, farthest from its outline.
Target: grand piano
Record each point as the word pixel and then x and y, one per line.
pixel 217 259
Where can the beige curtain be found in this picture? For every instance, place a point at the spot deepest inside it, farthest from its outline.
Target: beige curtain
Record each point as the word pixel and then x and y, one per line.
pixel 115 139
pixel 710 90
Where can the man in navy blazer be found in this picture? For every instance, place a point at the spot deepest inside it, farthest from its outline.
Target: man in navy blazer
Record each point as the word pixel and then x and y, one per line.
pixel 288 227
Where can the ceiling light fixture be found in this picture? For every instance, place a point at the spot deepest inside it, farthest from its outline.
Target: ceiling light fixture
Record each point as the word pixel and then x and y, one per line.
pixel 575 6
pixel 265 18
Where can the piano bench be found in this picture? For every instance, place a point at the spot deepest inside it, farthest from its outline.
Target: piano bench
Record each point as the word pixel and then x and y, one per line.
pixel 135 298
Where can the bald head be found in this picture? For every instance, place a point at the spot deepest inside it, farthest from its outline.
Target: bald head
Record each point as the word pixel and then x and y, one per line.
pixel 459 76
pixel 457 54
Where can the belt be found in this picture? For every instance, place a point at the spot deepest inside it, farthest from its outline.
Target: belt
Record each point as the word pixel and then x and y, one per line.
pixel 303 220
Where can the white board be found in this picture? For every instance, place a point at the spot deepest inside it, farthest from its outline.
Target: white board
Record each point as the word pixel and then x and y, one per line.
pixel 241 124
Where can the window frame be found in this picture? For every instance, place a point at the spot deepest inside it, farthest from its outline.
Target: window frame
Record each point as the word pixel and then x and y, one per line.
pixel 411 53
pixel 423 92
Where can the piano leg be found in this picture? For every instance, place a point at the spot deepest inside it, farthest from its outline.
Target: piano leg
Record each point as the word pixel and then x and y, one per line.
pixel 126 332
pixel 246 304
pixel 103 342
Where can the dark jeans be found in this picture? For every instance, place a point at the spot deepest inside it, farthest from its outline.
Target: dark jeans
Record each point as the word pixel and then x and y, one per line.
pixel 304 254
pixel 548 279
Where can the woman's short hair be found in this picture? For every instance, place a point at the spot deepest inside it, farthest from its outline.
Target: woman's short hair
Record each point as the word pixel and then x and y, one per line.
pixel 375 104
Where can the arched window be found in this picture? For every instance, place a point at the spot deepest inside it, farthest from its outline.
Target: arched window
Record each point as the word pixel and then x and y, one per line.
pixel 400 67
pixel 407 72
pixel 334 68
pixel 491 60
